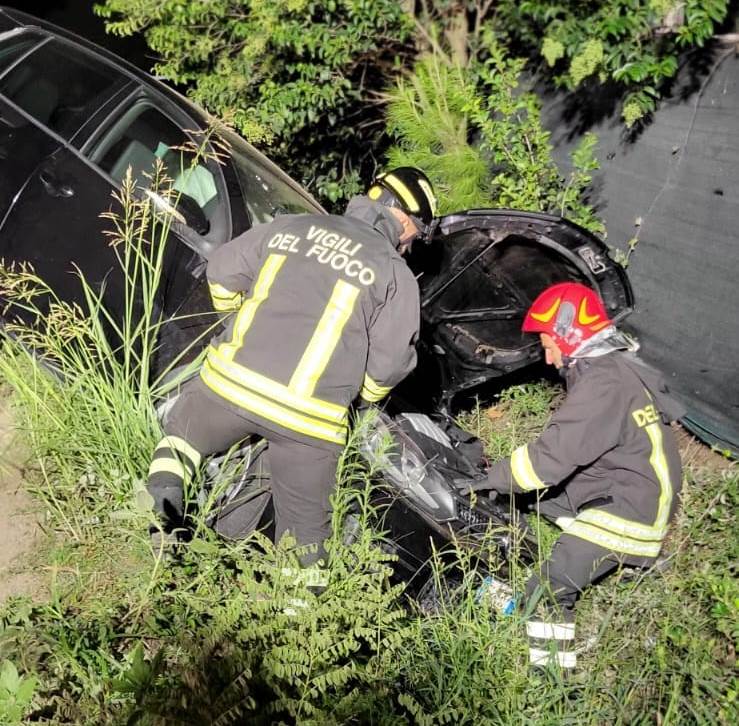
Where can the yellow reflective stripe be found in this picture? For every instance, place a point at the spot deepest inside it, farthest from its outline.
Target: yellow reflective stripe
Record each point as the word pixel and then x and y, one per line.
pixel 222 298
pixel 403 192
pixel 244 319
pixel 270 409
pixel 326 337
pixel 240 375
pixel 611 541
pixel 620 526
pixel 169 466
pixel 658 460
pixel 372 391
pixel 564 522
pixel 523 471
pixel 179 444
pixel 636 530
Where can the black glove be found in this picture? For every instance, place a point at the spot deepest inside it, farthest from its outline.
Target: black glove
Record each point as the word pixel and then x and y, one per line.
pixel 483 484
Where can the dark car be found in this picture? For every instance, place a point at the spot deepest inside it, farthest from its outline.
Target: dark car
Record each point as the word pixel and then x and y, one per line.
pixel 74 118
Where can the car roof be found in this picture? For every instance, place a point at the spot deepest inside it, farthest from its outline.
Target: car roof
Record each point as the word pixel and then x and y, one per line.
pixel 29 21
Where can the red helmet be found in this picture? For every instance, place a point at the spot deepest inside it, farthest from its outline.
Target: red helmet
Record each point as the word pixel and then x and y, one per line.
pixel 569 312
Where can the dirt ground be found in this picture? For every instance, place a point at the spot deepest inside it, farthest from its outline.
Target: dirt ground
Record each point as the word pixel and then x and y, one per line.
pixel 20 531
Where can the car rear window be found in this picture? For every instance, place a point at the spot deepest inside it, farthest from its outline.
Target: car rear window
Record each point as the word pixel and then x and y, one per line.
pixel 13 45
pixel 60 86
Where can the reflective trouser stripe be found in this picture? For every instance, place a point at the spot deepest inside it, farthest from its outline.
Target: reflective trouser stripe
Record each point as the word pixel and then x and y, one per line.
pixel 257 383
pixel 169 466
pixel 523 471
pixel 246 314
pixel 180 445
pixel 372 391
pixel 564 659
pixel 550 631
pixel 270 409
pixel 609 540
pixel 326 337
pixel 223 299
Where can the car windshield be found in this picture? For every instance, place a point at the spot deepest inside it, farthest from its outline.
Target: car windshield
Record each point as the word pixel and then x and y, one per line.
pixel 267 191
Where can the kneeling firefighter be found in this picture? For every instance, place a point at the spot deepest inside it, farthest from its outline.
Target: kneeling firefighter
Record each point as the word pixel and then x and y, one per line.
pixel 606 468
pixel 325 309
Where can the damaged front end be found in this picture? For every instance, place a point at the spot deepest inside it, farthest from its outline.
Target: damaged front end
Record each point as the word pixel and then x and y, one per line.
pixel 478 275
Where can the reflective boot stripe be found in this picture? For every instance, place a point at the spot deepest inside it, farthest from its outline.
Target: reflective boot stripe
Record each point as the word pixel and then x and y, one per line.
pixel 325 339
pixel 550 631
pixel 169 466
pixel 523 471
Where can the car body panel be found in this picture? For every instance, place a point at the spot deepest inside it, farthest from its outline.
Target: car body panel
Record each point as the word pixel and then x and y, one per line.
pixel 56 182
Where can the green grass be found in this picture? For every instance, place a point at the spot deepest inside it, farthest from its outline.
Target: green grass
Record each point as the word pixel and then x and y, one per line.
pixel 207 638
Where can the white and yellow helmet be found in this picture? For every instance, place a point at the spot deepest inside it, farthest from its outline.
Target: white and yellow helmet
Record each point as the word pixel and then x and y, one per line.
pixel 408 189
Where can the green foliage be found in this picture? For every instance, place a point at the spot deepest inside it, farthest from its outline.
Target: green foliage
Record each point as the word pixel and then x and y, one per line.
pixel 297 75
pixel 480 139
pixel 222 634
pixel 16 694
pixel 632 42
pixel 95 378
pixel 230 633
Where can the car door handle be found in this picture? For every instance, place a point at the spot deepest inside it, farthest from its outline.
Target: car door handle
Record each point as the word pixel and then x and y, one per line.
pixel 53 186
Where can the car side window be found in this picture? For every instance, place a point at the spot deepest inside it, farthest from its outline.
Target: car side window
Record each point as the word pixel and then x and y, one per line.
pixel 14 45
pixel 144 135
pixel 60 86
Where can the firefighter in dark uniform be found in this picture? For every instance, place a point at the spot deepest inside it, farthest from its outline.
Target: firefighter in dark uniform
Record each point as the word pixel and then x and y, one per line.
pixel 606 468
pixel 324 309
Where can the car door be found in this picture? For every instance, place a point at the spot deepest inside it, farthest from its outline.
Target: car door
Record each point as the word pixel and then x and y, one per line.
pixel 145 130
pixel 478 276
pixel 52 219
pixel 23 144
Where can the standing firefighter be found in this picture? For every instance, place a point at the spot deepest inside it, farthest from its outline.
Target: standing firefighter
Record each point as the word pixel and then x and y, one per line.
pixel 325 310
pixel 605 469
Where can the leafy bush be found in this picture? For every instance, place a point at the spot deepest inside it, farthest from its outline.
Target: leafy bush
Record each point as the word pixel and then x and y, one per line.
pixel 297 75
pixel 480 139
pixel 634 43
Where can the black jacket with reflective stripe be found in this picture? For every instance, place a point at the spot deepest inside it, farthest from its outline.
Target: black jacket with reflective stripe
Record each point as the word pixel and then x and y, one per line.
pixel 611 446
pixel 325 308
